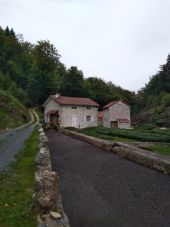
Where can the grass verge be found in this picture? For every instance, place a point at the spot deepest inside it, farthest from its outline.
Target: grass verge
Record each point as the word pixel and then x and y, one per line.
pixel 16 188
pixel 165 150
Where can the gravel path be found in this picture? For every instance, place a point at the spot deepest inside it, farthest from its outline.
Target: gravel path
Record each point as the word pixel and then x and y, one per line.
pixel 11 142
pixel 101 189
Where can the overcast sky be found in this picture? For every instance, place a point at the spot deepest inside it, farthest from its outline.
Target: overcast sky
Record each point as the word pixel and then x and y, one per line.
pixel 123 41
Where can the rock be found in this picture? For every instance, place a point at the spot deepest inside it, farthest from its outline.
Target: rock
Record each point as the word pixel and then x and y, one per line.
pixel 43 142
pixel 43 139
pixel 47 189
pixel 43 160
pixel 41 130
pixel 55 215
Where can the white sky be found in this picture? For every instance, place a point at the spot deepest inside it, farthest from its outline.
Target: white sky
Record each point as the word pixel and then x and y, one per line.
pixel 123 41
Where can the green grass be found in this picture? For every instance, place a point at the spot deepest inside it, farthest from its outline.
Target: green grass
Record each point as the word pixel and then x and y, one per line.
pixel 12 112
pixel 127 135
pixel 16 189
pixel 165 150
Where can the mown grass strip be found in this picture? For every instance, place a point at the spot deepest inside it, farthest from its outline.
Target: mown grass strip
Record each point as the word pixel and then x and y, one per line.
pixel 165 150
pixel 16 188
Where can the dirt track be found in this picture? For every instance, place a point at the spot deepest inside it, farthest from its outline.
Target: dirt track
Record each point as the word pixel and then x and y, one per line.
pixel 101 189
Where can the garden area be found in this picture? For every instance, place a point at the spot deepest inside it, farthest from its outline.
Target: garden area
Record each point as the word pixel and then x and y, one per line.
pixel 159 137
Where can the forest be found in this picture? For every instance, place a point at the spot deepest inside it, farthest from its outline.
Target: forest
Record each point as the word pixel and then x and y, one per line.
pixel 32 72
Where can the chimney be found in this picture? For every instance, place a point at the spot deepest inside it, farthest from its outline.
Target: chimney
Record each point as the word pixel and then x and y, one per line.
pixel 57 95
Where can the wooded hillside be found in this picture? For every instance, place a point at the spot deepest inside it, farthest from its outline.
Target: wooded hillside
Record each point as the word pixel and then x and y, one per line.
pixel 32 72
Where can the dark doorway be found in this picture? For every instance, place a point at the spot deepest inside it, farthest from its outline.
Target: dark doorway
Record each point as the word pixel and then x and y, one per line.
pixel 114 124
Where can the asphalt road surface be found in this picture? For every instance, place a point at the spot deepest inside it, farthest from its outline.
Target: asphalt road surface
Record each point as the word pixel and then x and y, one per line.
pixel 101 189
pixel 11 143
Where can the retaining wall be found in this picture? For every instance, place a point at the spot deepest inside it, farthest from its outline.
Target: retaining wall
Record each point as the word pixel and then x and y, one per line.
pixel 141 156
pixel 47 197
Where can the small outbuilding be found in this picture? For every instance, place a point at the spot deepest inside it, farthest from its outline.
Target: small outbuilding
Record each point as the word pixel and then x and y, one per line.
pixel 116 114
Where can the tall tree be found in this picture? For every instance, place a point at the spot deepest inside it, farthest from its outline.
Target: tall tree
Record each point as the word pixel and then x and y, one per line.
pixel 73 83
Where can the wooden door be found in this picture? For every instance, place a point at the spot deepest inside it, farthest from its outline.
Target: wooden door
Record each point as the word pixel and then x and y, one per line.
pixel 113 124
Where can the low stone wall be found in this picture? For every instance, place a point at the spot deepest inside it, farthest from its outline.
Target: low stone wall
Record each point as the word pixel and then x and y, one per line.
pixel 141 156
pixel 47 197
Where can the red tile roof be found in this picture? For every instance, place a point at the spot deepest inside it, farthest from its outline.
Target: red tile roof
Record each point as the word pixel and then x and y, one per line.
pixel 112 103
pixel 52 112
pixel 77 101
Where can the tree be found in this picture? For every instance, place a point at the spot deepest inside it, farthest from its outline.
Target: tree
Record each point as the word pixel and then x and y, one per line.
pixel 73 83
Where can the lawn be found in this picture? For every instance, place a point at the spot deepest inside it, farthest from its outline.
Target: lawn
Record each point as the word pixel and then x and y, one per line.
pixel 17 187
pixel 165 150
pixel 127 135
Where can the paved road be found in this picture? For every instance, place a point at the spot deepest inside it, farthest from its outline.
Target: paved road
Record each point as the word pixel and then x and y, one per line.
pixel 11 142
pixel 101 189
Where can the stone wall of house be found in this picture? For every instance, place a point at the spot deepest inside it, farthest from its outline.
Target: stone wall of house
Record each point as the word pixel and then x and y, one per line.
pixel 51 105
pixel 106 122
pixel 67 113
pixel 117 111
pixel 124 125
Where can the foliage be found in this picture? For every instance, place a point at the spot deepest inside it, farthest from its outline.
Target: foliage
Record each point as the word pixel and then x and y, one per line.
pixel 164 149
pixel 133 134
pixel 34 72
pixel 154 98
pixel 16 203
pixel 12 112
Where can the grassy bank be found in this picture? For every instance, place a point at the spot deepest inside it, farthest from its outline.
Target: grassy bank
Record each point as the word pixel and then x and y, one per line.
pixel 126 135
pixel 12 112
pixel 165 150
pixel 16 203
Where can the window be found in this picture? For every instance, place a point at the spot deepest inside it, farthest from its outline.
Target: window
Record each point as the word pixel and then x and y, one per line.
pixel 88 107
pixel 74 107
pixel 88 118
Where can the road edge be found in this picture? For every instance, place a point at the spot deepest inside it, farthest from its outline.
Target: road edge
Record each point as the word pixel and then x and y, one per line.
pixel 138 155
pixel 49 208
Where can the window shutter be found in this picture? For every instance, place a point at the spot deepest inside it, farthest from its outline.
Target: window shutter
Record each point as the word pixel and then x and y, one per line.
pixel 85 118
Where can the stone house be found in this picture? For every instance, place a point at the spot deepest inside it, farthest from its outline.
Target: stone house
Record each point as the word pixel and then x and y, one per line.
pixel 116 115
pixel 70 111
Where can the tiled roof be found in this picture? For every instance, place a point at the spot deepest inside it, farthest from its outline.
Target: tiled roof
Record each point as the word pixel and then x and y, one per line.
pixel 52 112
pixel 112 103
pixel 77 101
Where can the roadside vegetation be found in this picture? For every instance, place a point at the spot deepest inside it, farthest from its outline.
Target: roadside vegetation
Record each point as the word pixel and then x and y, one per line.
pixel 161 149
pixel 16 202
pixel 140 134
pixel 12 112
